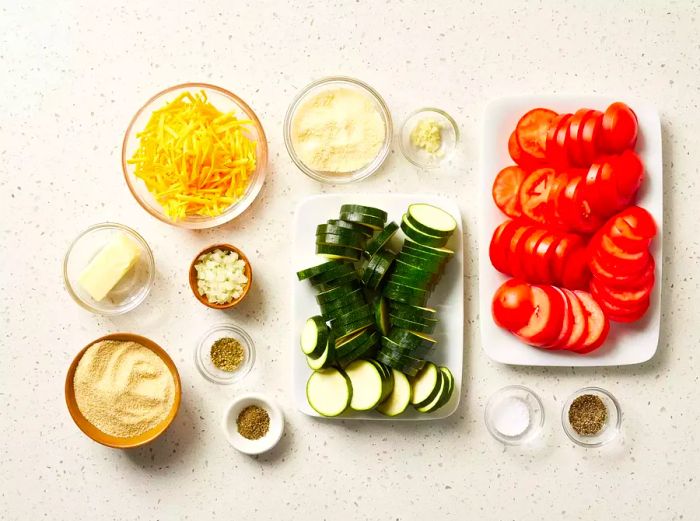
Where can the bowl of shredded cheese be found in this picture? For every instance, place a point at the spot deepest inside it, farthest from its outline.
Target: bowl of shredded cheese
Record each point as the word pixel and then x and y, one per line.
pixel 195 156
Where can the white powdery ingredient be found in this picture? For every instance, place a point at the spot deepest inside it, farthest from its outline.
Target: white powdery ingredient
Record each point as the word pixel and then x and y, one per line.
pixel 511 416
pixel 220 276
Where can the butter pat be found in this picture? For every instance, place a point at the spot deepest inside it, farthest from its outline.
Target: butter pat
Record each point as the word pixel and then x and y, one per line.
pixel 109 266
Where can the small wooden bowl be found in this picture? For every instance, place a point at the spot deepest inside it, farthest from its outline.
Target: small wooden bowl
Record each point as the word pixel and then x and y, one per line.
pixel 112 441
pixel 248 271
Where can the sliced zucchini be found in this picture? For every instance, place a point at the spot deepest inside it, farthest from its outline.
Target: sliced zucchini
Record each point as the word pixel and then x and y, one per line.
pixel 406 298
pixel 432 405
pixel 340 240
pixel 366 350
pixel 335 293
pixel 393 348
pixel 329 392
pixel 421 237
pixel 317 270
pixel 333 251
pixel 354 315
pixel 447 391
pixel 381 269
pixel 331 229
pixel 407 270
pixel 352 327
pixel 406 337
pixel 326 359
pixel 314 337
pixel 367 220
pixel 414 313
pixel 380 263
pixel 339 312
pixel 342 280
pixel 410 250
pixel 426 385
pixel 406 365
pixel 413 326
pixel 347 344
pixel 394 288
pixel 333 273
pixel 382 238
pixel 413 282
pixel 431 220
pixel 381 315
pixel 365 230
pixel 421 263
pixel 367 385
pixel 445 253
pixel 384 370
pixel 397 402
pixel 367 210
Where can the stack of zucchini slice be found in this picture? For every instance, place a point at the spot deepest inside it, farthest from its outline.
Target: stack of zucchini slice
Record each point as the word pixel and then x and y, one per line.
pixel 369 343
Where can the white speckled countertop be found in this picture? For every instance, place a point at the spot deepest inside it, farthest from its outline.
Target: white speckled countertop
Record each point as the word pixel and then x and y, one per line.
pixel 73 74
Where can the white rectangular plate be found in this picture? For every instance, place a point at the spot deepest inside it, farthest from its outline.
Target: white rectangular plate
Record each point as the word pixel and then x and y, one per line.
pixel 627 343
pixel 448 297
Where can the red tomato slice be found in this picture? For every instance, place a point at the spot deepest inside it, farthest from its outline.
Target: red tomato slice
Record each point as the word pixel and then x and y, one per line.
pixel 629 173
pixel 634 280
pixel 544 252
pixel 624 237
pixel 615 311
pixel 558 185
pixel 534 194
pixel 574 208
pixel 528 258
pixel 562 143
pixel 616 260
pixel 598 325
pixel 500 241
pixel 562 251
pixel 612 199
pixel 576 274
pixel 545 322
pixel 505 191
pixel 579 326
pixel 512 305
pixel 590 136
pixel 567 323
pixel 531 131
pixel 556 155
pixel 574 150
pixel 629 299
pixel 620 128
pixel 522 159
pixel 639 220
pixel 592 181
pixel 625 317
pixel 514 252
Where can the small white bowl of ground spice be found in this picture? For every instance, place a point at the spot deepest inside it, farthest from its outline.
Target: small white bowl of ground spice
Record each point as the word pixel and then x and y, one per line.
pixel 253 424
pixel 225 354
pixel 591 417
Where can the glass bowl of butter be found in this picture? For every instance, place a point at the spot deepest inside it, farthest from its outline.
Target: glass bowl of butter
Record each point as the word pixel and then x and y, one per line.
pixel 338 130
pixel 429 137
pixel 109 269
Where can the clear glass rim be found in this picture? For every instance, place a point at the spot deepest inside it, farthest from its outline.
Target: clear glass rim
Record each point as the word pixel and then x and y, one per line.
pixel 565 416
pixel 236 376
pixel 149 258
pixel 535 428
pixel 360 174
pixel 257 179
pixel 406 153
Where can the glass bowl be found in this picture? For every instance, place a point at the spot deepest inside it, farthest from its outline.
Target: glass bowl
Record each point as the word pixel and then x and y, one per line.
pixel 223 100
pixel 449 134
pixel 534 407
pixel 612 424
pixel 202 354
pixel 130 291
pixel 327 84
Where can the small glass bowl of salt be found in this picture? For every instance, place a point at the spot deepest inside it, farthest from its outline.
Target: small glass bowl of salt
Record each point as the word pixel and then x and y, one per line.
pixel 514 415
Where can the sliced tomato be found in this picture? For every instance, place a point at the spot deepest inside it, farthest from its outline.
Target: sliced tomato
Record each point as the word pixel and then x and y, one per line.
pixel 562 251
pixel 620 128
pixel 556 154
pixel 592 182
pixel 575 209
pixel 522 159
pixel 558 185
pixel 505 191
pixel 514 252
pixel 615 259
pixel 531 131
pixel 512 305
pixel 629 298
pixel 545 322
pixel 597 322
pixel 567 323
pixel 590 136
pixel 619 313
pixel 639 220
pixel 612 199
pixel 542 262
pixel 534 194
pixel 500 241
pixel 528 258
pixel 576 273
pixel 629 173
pixel 633 280
pixel 624 236
pixel 574 150
pixel 579 326
pixel 562 143
pixel 632 316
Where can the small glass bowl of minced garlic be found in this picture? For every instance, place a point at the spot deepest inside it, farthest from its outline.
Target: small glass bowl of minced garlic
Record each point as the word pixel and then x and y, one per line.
pixel 225 354
pixel 429 137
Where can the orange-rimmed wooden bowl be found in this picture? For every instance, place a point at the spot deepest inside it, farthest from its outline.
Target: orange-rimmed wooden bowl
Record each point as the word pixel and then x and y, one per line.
pixel 247 270
pixel 113 441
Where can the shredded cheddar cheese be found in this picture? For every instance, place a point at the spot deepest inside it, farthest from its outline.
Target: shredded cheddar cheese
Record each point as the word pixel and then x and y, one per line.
pixel 193 158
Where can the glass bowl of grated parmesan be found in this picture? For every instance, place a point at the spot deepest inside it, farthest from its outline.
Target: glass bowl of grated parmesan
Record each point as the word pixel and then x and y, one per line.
pixel 195 156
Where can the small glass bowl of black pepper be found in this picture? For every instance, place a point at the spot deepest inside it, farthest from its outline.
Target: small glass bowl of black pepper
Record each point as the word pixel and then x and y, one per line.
pixel 225 354
pixel 591 417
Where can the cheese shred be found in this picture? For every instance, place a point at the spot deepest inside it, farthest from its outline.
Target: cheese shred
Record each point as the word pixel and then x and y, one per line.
pixel 194 159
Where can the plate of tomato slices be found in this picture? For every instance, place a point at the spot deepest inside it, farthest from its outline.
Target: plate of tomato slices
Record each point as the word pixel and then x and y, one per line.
pixel 570 228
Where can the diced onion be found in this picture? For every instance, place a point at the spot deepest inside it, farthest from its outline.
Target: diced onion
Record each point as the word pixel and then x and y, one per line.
pixel 220 276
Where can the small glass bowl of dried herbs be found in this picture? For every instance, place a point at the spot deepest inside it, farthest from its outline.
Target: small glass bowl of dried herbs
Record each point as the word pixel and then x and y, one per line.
pixel 591 417
pixel 225 354
pixel 253 423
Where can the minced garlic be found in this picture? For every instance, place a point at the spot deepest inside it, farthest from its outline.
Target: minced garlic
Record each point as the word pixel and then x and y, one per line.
pixel 427 134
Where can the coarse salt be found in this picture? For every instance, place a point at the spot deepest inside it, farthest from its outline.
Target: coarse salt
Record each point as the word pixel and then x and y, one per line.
pixel 511 416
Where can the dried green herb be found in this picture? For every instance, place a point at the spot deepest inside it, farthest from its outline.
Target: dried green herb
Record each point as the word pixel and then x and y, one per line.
pixel 588 414
pixel 253 422
pixel 227 354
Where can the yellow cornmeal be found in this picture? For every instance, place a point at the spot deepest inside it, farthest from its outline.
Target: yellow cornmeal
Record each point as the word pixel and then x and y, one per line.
pixel 427 134
pixel 338 130
pixel 123 388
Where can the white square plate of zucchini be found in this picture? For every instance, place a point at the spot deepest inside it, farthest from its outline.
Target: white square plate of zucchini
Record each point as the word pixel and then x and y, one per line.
pixel 445 295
